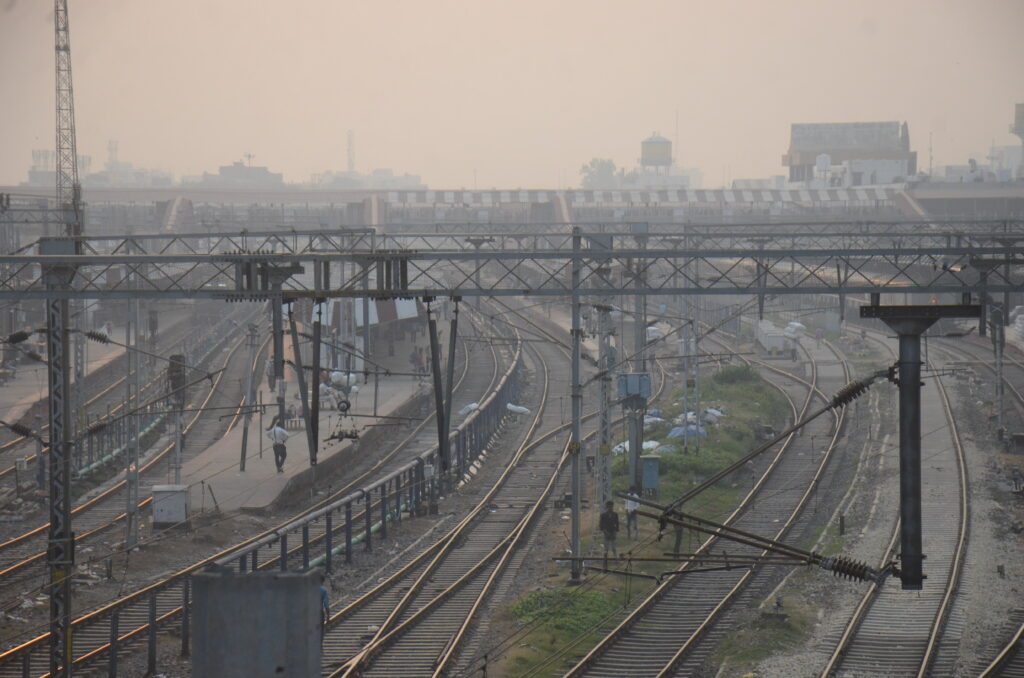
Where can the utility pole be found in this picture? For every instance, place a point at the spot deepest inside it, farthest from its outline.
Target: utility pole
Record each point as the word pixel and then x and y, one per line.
pixel 605 360
pixel 131 523
pixel 277 329
pixel 176 380
pixel 605 416
pixel 300 377
pixel 637 390
pixel 441 414
pixel 576 439
pixel 999 346
pixel 61 552
pixel 250 396
pixel 909 323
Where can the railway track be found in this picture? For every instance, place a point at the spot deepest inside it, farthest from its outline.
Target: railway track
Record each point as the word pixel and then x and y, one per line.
pixel 416 444
pixel 118 627
pixel 897 632
pixel 437 581
pixel 105 400
pixel 106 509
pixel 673 631
pixel 424 615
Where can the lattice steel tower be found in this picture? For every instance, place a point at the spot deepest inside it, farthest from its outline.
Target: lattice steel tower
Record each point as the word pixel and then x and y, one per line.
pixel 69 200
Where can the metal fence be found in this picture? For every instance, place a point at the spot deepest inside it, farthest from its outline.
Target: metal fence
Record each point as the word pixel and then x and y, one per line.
pixel 412 489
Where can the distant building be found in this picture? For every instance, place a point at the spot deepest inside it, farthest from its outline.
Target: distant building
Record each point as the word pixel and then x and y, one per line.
pixel 239 175
pixel 658 168
pixel 43 171
pixel 1018 128
pixel 850 153
pixel 999 164
pixel 776 183
pixel 378 179
pixel 117 174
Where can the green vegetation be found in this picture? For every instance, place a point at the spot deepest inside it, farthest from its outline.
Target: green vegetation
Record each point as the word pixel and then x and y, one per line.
pixel 560 616
pixel 749 402
pixel 768 634
pixel 563 616
pixel 564 610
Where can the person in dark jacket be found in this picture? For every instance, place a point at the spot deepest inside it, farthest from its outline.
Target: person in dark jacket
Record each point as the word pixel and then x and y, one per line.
pixel 609 525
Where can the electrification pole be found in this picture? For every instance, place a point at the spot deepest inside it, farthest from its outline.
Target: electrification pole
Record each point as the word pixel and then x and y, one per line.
pixel 61 552
pixel 604 453
pixel 576 439
pixel 605 360
pixel 131 523
pixel 999 346
pixel 636 399
pixel 250 396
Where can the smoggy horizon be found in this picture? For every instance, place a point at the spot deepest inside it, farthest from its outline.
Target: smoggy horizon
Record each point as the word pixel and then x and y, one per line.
pixel 504 95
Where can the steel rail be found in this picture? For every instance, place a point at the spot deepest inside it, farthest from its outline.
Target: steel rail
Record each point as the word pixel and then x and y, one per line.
pixel 437 551
pixel 11 444
pixel 355 483
pixel 502 551
pixel 592 657
pixel 155 589
pixel 27 645
pixel 109 492
pixel 1001 662
pixel 939 617
pixel 798 509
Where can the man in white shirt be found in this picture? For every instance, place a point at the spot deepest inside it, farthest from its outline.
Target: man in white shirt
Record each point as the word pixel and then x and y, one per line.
pixel 278 436
pixel 632 506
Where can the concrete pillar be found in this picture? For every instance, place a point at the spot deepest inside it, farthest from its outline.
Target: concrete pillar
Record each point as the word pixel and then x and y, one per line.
pixel 283 640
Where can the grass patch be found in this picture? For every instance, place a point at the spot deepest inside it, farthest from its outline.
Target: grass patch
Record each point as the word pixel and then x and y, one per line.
pixel 560 616
pixel 767 633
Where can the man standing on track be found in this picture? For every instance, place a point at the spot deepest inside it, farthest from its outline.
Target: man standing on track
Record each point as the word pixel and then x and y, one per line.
pixel 278 435
pixel 609 525
pixel 632 506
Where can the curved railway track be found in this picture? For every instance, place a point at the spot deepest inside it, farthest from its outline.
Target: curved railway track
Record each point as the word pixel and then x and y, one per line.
pixel 106 509
pixel 104 395
pixel 897 632
pixel 665 634
pixel 424 613
pixel 131 614
pixel 415 444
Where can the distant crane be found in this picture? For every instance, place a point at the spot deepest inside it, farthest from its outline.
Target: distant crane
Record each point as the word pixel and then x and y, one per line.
pixel 69 190
pixel 69 201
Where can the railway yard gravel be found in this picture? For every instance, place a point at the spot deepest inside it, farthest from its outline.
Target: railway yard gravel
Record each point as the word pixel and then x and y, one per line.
pixel 985 598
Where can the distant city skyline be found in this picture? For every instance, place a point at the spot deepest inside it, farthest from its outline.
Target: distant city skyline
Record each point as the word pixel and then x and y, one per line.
pixel 505 95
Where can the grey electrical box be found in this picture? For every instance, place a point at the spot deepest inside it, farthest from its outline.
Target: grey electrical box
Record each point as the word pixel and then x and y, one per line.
pixel 170 505
pixel 256 625
pixel 651 474
pixel 634 384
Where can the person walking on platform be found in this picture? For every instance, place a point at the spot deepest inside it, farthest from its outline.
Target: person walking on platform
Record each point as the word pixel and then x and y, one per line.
pixel 414 362
pixel 278 435
pixel 609 525
pixel 632 506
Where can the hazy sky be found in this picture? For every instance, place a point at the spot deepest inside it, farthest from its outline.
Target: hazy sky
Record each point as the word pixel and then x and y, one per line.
pixel 522 92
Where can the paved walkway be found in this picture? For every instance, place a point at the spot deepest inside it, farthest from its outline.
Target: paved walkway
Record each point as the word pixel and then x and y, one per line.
pixel 30 385
pixel 256 488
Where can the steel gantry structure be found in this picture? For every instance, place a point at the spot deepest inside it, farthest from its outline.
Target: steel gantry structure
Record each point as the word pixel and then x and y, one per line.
pixel 236 267
pixel 285 266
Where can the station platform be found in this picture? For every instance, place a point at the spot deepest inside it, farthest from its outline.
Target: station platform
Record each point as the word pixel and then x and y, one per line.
pixel 214 478
pixel 30 384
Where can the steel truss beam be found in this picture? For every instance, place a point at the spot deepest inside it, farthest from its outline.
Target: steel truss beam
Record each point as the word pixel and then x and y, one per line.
pixel 516 271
